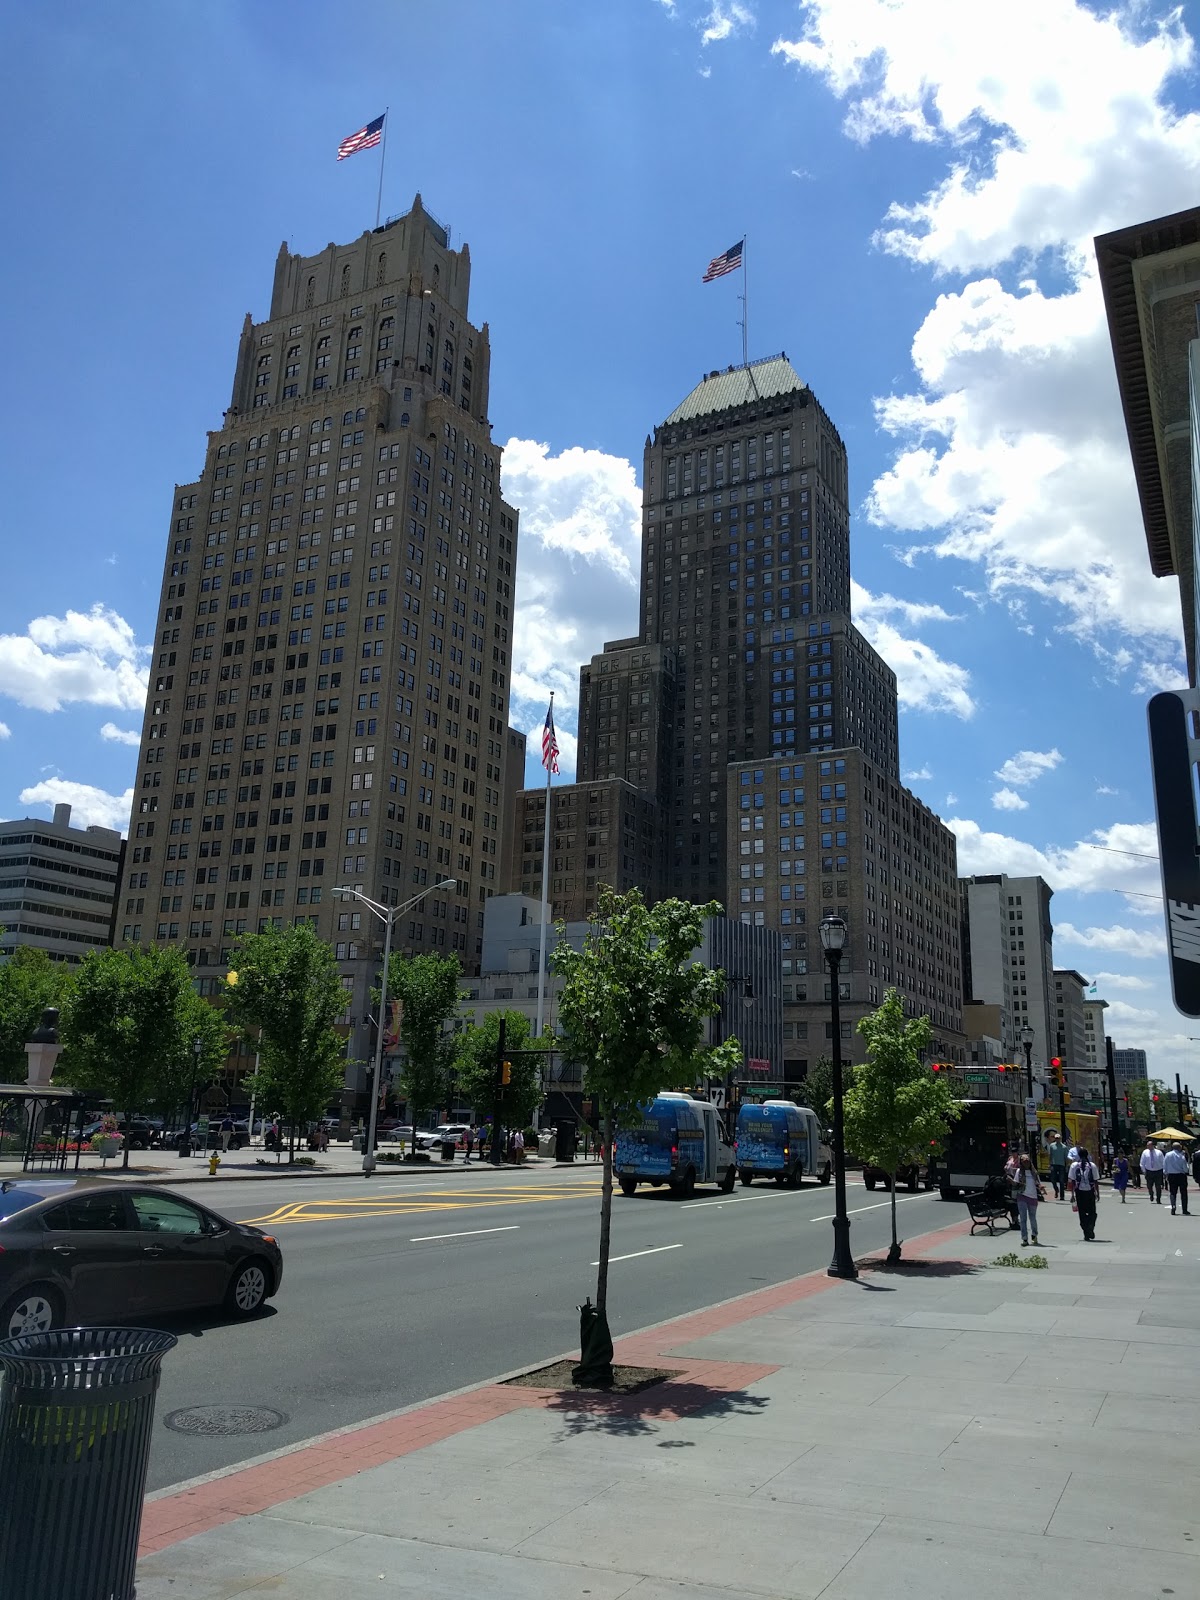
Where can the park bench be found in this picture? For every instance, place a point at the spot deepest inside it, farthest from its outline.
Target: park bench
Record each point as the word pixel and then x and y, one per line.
pixel 991 1204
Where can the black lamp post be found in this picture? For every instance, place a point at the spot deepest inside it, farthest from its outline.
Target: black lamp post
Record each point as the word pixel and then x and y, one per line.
pixel 1031 1137
pixel 833 941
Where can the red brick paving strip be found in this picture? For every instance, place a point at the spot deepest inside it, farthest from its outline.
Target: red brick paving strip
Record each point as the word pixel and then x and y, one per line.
pixel 175 1517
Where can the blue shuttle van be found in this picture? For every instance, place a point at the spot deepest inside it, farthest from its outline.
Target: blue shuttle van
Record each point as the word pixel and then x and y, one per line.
pixel 783 1141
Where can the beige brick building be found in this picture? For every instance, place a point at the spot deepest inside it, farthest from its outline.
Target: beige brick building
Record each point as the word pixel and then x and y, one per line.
pixel 329 691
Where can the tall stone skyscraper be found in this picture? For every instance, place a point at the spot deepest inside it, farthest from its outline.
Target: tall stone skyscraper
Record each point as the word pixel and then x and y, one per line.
pixel 329 690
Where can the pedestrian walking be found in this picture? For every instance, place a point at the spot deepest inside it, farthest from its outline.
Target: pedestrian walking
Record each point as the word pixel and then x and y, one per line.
pixel 1029 1192
pixel 226 1132
pixel 1120 1180
pixel 1058 1167
pixel 468 1144
pixel 1084 1182
pixel 1151 1163
pixel 1175 1167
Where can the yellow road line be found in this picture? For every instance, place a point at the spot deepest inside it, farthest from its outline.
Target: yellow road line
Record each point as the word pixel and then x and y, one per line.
pixel 347 1209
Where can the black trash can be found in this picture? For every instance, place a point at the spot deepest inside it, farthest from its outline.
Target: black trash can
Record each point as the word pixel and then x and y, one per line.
pixel 76 1412
pixel 449 1149
pixel 564 1139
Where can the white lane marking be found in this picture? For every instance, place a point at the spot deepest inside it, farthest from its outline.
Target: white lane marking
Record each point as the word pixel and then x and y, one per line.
pixel 633 1254
pixel 427 1238
pixel 878 1206
pixel 690 1205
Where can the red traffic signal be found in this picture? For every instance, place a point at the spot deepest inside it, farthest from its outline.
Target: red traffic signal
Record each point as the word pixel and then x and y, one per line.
pixel 1056 1061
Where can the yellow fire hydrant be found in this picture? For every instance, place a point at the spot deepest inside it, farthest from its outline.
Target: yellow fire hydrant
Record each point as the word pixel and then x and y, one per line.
pixel 214 1161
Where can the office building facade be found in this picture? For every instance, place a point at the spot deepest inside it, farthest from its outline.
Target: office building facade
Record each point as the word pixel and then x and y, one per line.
pixel 58 885
pixel 329 690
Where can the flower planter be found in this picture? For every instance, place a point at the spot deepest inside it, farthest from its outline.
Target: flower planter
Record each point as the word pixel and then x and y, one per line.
pixel 107 1148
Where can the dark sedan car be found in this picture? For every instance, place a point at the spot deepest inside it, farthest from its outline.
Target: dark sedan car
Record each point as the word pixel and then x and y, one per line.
pixel 77 1253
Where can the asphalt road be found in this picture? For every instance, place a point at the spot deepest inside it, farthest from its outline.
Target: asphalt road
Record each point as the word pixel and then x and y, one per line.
pixel 398 1290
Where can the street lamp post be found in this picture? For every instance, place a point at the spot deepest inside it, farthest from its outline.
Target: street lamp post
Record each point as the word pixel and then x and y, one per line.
pixel 1030 1133
pixel 197 1047
pixel 387 915
pixel 833 941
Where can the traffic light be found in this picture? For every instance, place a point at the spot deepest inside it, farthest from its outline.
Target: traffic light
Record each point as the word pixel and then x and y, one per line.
pixel 1066 1097
pixel 505 1074
pixel 1056 1067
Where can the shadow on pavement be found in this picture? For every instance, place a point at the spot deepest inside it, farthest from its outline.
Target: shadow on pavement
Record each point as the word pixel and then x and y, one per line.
pixel 633 1416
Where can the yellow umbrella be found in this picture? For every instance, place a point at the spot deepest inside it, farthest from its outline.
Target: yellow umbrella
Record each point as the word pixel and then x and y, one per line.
pixel 1170 1134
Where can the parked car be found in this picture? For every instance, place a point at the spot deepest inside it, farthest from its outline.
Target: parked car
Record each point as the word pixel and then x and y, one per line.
pixel 398 1133
pixel 139 1133
pixel 433 1139
pixel 909 1176
pixel 75 1252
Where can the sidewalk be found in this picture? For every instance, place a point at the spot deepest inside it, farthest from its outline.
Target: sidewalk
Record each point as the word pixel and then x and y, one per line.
pixel 948 1429
pixel 339 1161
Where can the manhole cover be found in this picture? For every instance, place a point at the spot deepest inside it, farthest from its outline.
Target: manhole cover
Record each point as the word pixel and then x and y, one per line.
pixel 222 1420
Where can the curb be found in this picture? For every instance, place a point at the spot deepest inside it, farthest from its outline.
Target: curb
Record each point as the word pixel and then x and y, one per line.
pixel 170 1178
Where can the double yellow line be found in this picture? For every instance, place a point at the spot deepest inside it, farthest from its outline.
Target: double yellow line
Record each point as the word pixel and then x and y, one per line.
pixel 399 1205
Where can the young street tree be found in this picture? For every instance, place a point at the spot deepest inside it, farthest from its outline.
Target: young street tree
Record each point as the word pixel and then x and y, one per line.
pixel 285 986
pixel 427 989
pixel 29 982
pixel 476 1064
pixel 817 1089
pixel 895 1108
pixel 632 1013
pixel 128 1027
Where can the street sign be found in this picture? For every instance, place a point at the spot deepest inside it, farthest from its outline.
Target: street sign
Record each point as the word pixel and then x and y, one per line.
pixel 717 1096
pixel 1172 754
pixel 1031 1116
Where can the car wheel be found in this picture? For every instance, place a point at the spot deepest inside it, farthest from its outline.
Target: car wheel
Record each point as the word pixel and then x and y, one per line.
pixel 37 1309
pixel 747 1178
pixel 730 1180
pixel 826 1174
pixel 914 1181
pixel 628 1185
pixel 687 1188
pixel 793 1178
pixel 868 1183
pixel 946 1192
pixel 248 1288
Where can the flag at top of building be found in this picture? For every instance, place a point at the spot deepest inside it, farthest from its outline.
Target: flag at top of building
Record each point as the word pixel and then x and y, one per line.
pixel 362 140
pixel 729 261
pixel 550 741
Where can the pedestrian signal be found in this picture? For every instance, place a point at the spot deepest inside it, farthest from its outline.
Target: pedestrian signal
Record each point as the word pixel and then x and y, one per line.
pixel 505 1073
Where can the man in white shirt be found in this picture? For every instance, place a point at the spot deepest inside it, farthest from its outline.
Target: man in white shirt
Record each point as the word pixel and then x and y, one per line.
pixel 1084 1183
pixel 1175 1166
pixel 1152 1165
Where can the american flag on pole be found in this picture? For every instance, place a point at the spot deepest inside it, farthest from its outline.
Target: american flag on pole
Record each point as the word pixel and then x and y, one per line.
pixel 362 140
pixel 729 261
pixel 550 742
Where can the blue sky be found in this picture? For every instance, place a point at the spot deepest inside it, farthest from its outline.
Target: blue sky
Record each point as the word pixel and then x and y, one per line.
pixel 918 181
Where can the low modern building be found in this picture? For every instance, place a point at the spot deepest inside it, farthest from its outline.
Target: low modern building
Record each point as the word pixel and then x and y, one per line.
pixel 58 885
pixel 1008 962
pixel 1129 1065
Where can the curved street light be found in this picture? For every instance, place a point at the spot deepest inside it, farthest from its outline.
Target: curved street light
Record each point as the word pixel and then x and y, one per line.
pixel 833 942
pixel 387 915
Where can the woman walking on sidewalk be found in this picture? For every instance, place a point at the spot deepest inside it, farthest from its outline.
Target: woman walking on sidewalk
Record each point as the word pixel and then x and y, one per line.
pixel 1121 1175
pixel 1084 1182
pixel 1028 1191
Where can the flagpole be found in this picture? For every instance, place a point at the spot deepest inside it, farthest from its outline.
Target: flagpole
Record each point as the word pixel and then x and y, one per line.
pixel 382 160
pixel 541 1003
pixel 745 311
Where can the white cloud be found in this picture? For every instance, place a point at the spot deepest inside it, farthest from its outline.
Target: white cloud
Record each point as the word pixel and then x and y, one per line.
pixel 1120 858
pixel 1027 766
pixel 130 736
pixel 1140 943
pixel 5 731
pixel 1009 800
pixel 90 657
pixel 579 568
pixel 924 681
pixel 725 17
pixel 1103 788
pixel 919 775
pixel 1011 453
pixel 89 805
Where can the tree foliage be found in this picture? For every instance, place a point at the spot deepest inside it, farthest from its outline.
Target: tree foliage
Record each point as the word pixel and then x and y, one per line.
pixel 129 1025
pixel 896 1110
pixel 476 1064
pixel 1142 1110
pixel 427 987
pixel 632 1013
pixel 29 983
pixel 817 1089
pixel 288 991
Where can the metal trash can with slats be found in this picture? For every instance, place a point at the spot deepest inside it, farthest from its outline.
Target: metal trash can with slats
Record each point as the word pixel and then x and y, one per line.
pixel 76 1412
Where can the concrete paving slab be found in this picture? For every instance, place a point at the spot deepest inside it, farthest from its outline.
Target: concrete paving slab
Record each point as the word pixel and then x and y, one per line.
pixel 935 1561
pixel 893 1430
pixel 1048 1369
pixel 666 1461
pixel 1136 1458
pixel 1141 1412
pixel 245 1553
pixel 622 1529
pixel 436 1502
pixel 1102 1509
pixel 1032 1319
pixel 1048 1402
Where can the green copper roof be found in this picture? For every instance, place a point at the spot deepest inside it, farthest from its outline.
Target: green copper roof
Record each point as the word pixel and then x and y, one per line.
pixel 738 386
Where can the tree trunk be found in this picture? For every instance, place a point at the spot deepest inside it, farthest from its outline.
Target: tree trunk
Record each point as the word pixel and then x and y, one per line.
pixel 894 1253
pixel 606 1194
pixel 125 1150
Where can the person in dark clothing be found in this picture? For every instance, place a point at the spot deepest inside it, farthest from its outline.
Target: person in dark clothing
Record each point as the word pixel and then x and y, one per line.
pixel 1084 1183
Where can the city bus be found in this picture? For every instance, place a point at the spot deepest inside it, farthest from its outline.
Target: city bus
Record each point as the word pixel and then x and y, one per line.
pixel 978 1143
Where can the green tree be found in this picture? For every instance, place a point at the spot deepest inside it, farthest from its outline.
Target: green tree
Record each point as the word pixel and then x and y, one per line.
pixel 632 1013
pixel 285 985
pixel 895 1108
pixel 475 1061
pixel 817 1089
pixel 427 987
pixel 29 983
pixel 1142 1109
pixel 128 1024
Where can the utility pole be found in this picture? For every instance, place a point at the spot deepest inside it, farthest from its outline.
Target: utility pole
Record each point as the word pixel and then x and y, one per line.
pixel 501 1047
pixel 1179 1097
pixel 1112 1089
